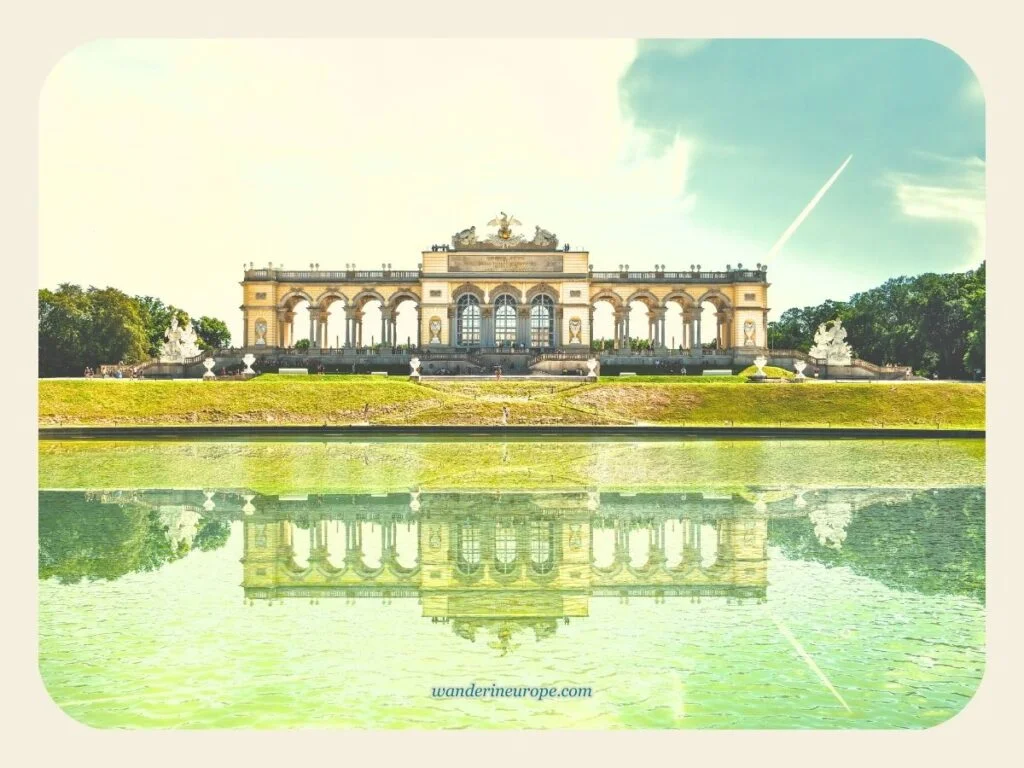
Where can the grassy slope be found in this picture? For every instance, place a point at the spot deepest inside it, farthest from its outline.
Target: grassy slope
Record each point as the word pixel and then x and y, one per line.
pixel 644 400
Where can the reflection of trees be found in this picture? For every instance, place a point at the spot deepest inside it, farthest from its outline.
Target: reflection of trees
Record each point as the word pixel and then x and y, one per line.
pixel 933 544
pixel 81 538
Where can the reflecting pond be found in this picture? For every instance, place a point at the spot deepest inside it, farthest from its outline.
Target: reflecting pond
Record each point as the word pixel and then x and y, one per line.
pixel 704 584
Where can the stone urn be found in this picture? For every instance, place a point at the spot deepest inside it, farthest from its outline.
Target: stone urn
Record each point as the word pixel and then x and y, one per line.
pixel 208 363
pixel 799 366
pixel 249 358
pixel 248 508
pixel 208 505
pixel 759 363
pixel 592 365
pixel 414 366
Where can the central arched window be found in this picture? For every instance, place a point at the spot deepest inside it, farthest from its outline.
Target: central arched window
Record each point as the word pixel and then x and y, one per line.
pixel 505 547
pixel 468 320
pixel 505 320
pixel 542 326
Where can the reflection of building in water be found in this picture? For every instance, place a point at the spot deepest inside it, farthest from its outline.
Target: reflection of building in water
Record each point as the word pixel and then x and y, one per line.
pixel 505 563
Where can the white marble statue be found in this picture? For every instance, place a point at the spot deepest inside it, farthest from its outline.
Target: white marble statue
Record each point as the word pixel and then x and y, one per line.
pixel 830 344
pixel 181 344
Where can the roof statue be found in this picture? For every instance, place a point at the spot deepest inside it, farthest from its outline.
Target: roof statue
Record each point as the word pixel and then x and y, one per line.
pixel 505 238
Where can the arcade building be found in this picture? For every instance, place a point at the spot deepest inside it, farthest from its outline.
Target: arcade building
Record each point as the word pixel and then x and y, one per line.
pixel 508 292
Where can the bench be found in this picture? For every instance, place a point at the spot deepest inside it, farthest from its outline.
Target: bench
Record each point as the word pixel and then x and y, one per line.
pixel 717 372
pixel 293 371
pixel 627 373
pixel 378 373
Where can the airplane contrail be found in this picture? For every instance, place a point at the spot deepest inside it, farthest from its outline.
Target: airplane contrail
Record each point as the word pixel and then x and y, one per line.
pixel 806 211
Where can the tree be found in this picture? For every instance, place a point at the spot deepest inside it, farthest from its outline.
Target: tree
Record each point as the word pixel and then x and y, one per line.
pixel 117 331
pixel 88 328
pixel 933 323
pixel 302 344
pixel 212 333
pixel 63 327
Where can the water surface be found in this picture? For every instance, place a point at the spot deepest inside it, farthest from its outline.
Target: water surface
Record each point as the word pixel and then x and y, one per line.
pixel 755 584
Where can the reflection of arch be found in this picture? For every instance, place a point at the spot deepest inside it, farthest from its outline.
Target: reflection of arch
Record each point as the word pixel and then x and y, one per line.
pixel 506 289
pixel 506 547
pixel 467 548
pixel 542 289
pixel 365 296
pixel 542 546
pixel 402 294
pixel 607 295
pixel 470 289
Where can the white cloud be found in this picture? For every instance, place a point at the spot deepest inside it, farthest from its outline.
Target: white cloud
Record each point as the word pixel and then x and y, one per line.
pixel 955 193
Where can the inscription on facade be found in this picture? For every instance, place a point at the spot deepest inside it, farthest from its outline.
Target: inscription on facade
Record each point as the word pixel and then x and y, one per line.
pixel 500 262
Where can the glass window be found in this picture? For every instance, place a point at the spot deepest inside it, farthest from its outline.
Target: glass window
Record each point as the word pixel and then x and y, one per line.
pixel 504 547
pixel 541 535
pixel 542 326
pixel 505 320
pixel 468 320
pixel 469 548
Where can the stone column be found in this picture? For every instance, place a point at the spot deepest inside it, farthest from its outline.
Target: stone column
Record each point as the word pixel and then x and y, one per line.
pixel 626 329
pixel 312 325
pixel 486 327
pixel 661 332
pixel 698 349
pixel 357 327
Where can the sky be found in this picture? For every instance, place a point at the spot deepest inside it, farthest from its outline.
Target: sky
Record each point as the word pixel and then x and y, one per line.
pixel 165 165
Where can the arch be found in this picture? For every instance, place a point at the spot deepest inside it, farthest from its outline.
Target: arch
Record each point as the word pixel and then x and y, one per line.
pixel 542 321
pixel 506 288
pixel 645 297
pixel 607 294
pixel 716 297
pixel 506 319
pixel 470 288
pixel 365 296
pixel 542 289
pixel 403 294
pixel 330 296
pixel 682 298
pixel 467 320
pixel 293 297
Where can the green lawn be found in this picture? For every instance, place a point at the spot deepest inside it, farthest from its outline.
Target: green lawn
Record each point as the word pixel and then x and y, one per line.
pixel 339 400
